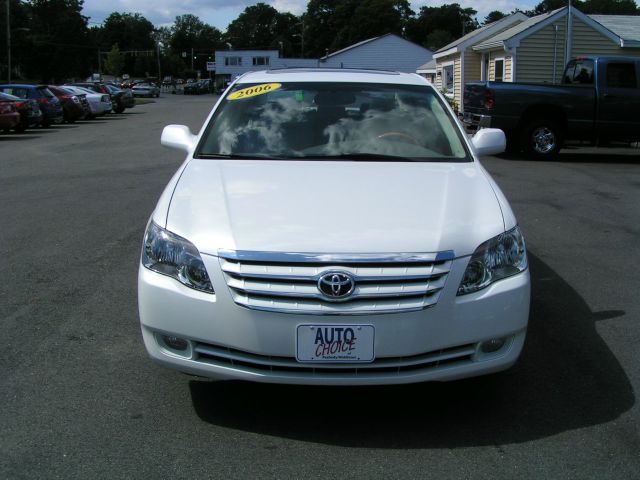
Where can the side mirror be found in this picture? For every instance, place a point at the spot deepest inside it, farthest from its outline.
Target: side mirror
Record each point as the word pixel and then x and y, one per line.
pixel 489 141
pixel 178 136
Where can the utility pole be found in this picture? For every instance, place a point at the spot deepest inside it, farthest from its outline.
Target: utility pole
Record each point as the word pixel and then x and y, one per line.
pixel 158 44
pixel 569 40
pixel 302 40
pixel 191 58
pixel 8 42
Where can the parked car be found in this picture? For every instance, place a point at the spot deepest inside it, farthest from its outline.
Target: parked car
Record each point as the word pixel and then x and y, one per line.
pixel 598 100
pixel 9 116
pixel 190 88
pixel 206 86
pixel 333 227
pixel 71 105
pixel 121 98
pixel 49 104
pixel 146 90
pixel 30 113
pixel 99 103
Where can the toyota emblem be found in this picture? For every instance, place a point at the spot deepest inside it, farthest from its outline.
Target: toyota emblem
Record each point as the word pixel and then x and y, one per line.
pixel 336 286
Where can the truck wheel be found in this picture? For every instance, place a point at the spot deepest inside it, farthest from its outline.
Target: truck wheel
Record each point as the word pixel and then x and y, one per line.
pixel 119 109
pixel 541 139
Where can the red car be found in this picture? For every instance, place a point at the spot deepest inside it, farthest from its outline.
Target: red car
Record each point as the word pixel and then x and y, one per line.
pixel 9 116
pixel 72 108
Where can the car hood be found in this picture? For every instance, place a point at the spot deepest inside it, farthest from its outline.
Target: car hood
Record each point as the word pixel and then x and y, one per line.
pixel 333 207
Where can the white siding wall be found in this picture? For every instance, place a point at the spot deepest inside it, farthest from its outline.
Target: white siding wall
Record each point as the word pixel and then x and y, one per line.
pixel 247 62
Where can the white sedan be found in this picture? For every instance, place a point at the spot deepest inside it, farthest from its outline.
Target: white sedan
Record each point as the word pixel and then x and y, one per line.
pixel 145 90
pixel 333 228
pixel 99 103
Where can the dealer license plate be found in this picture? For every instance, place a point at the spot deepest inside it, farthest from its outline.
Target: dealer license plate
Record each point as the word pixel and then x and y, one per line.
pixel 335 343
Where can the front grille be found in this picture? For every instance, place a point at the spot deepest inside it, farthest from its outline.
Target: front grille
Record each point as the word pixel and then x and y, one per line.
pixel 289 282
pixel 249 362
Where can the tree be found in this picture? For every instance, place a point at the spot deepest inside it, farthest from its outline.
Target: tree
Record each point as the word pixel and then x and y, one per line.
pixel 129 31
pixel 60 40
pixel 188 34
pixel 548 6
pixel 20 38
pixel 332 25
pixel 261 26
pixel 373 18
pixel 590 7
pixel 438 39
pixel 493 17
pixel 609 7
pixel 451 18
pixel 321 26
pixel 115 61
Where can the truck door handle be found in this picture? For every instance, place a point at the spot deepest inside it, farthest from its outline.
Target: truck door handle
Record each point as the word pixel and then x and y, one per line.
pixel 608 95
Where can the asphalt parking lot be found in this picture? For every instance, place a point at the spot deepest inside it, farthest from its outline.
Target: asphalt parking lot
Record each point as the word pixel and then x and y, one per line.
pixel 80 398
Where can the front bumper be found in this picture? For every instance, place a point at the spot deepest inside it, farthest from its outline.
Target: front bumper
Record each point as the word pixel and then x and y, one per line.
pixel 227 341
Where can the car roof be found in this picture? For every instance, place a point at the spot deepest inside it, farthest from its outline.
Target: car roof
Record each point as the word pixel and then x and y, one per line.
pixel 21 85
pixel 332 75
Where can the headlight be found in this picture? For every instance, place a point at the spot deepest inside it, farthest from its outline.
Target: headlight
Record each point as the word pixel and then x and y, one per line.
pixel 167 253
pixel 497 258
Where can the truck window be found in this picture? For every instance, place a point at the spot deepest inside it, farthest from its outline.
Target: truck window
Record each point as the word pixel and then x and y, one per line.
pixel 579 72
pixel 621 75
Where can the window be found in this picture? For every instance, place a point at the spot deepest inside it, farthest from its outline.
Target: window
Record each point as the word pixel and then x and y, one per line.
pixel 621 75
pixel 579 72
pixel 18 92
pixel 233 61
pixel 447 78
pixel 498 69
pixel 261 60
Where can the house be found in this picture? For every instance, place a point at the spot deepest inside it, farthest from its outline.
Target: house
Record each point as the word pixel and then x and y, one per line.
pixel 536 49
pixel 456 61
pixel 233 63
pixel 387 52
pixel 428 71
pixel 540 47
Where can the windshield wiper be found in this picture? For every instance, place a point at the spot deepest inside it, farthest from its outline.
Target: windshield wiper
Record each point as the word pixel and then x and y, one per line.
pixel 235 156
pixel 364 157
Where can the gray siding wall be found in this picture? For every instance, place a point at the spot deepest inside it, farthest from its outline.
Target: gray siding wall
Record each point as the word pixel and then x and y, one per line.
pixel 385 53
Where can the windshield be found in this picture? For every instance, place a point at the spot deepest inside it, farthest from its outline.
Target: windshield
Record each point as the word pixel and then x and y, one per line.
pixel 335 121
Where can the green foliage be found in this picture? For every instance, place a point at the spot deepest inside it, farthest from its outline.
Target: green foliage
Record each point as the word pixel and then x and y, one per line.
pixel 450 18
pixel 58 40
pixel 451 100
pixel 437 39
pixel 590 7
pixel 115 61
pixel 262 27
pixel 493 16
pixel 332 25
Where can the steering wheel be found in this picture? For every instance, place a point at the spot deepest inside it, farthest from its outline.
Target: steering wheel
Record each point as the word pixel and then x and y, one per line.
pixel 400 136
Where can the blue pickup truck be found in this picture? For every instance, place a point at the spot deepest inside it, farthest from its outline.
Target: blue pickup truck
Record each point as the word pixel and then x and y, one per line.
pixel 598 100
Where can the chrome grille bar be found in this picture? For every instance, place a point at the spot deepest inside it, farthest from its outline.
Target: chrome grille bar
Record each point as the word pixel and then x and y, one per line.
pixel 288 282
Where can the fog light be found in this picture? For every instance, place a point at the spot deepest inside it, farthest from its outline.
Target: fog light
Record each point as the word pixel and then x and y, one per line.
pixel 492 345
pixel 175 343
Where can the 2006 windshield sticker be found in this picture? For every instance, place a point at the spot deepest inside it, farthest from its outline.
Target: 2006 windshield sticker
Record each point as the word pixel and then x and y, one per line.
pixel 254 91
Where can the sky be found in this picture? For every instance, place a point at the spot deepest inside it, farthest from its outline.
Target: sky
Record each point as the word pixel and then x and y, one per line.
pixel 220 13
